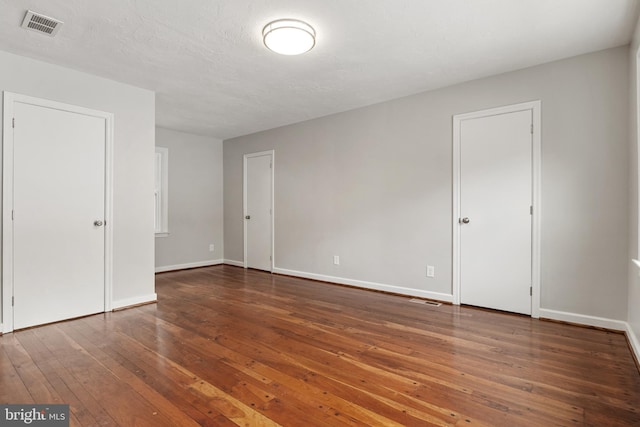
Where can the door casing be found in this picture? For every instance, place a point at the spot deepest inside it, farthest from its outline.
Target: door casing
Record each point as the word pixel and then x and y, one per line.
pixel 535 108
pixel 245 204
pixel 7 196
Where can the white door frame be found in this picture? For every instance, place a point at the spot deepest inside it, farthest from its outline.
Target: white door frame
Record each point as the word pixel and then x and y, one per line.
pixel 536 196
pixel 271 153
pixel 7 197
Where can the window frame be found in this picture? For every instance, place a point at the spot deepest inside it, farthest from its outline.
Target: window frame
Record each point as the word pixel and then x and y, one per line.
pixel 161 192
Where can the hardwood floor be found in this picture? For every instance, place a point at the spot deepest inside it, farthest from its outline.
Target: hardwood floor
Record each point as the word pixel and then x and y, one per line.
pixel 227 346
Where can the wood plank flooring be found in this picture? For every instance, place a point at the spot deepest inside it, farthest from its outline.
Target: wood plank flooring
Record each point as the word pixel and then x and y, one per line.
pixel 226 346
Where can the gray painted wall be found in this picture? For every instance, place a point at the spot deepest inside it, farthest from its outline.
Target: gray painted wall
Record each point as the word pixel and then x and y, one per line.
pixel 195 199
pixel 134 129
pixel 373 185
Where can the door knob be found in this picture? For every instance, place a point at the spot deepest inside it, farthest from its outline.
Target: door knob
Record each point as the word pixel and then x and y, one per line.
pixel 465 220
pixel 98 223
pixel 247 217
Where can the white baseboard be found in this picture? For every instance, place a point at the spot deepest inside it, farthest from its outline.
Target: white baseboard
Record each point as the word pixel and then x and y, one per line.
pixel 234 263
pixel 127 302
pixel 189 265
pixel 599 322
pixel 368 285
pixel 633 341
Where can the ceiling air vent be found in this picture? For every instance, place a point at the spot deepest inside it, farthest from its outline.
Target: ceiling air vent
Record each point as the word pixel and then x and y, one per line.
pixel 41 23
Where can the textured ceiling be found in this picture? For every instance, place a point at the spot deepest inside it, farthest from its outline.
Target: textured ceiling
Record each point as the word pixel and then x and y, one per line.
pixel 212 75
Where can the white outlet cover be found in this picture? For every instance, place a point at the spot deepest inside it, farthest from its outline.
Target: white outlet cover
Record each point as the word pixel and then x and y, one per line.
pixel 431 271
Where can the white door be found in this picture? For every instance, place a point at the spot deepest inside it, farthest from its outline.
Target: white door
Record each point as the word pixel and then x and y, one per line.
pixel 495 218
pixel 258 210
pixel 59 213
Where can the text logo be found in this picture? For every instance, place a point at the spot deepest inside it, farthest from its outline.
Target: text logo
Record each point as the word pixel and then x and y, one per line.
pixel 34 415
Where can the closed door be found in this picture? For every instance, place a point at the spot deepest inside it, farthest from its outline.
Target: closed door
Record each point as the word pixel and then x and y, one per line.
pixel 59 213
pixel 495 211
pixel 258 211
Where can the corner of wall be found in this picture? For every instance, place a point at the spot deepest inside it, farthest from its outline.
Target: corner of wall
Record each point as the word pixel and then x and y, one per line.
pixel 633 279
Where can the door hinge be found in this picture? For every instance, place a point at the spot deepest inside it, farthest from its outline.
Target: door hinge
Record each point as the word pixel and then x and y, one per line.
pixel 13 122
pixel 531 210
pixel 13 300
pixel 12 216
pixel 530 291
pixel 270 258
pixel 532 129
pixel 270 165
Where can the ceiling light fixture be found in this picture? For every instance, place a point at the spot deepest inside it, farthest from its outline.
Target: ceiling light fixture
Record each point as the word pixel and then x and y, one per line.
pixel 289 36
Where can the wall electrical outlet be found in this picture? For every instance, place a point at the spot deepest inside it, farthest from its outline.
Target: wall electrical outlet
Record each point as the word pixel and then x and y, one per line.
pixel 336 260
pixel 431 271
pixel 212 247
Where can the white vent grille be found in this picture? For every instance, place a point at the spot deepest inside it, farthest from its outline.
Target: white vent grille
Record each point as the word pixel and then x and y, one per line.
pixel 40 23
pixel 425 302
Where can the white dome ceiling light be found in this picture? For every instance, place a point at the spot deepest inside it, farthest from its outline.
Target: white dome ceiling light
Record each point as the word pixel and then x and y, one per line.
pixel 289 36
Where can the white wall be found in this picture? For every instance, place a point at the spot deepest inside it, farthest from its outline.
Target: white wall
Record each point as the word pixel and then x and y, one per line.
pixel 373 185
pixel 133 178
pixel 634 276
pixel 195 201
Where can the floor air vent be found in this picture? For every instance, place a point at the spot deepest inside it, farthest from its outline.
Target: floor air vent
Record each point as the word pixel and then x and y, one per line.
pixel 425 302
pixel 40 23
